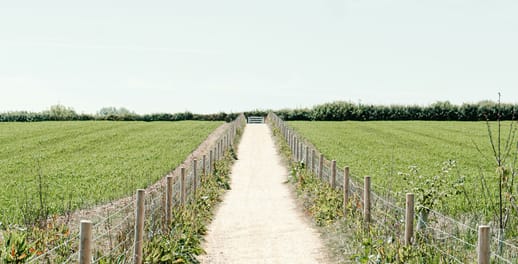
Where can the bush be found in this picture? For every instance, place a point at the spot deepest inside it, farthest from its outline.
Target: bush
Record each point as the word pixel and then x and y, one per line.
pixel 439 111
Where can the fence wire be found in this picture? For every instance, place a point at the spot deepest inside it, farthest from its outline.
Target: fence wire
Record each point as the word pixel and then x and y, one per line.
pixel 114 231
pixel 453 240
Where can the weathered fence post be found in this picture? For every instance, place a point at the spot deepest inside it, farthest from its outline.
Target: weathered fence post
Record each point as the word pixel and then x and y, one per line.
pixel 294 144
pixel 333 174
pixel 139 227
pixel 307 158
pixel 211 160
pixel 182 186
pixel 367 199
pixel 483 245
pixel 204 165
pixel 288 138
pixel 321 166
pixel 295 148
pixel 409 219
pixel 346 189
pixel 168 201
pixel 299 151
pixel 195 177
pixel 218 150
pixel 313 160
pixel 85 242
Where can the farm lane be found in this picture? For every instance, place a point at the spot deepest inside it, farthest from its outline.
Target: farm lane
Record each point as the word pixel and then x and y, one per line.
pixel 258 220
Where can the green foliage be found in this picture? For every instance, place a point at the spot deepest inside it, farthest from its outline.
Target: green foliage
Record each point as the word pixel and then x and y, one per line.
pixel 107 111
pixel 87 163
pixel 322 202
pixel 381 149
pixel 60 112
pixel 351 240
pixel 15 248
pixel 440 111
pixel 64 113
pixel 432 191
pixel 189 224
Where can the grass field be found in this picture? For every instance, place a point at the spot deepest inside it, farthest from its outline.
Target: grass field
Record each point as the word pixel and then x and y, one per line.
pixel 87 163
pixel 383 149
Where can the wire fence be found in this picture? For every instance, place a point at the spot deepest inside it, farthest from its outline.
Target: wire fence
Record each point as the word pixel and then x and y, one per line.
pixel 113 237
pixel 457 241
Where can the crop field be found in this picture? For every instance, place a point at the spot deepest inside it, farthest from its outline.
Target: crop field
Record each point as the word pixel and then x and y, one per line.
pixel 384 150
pixel 78 164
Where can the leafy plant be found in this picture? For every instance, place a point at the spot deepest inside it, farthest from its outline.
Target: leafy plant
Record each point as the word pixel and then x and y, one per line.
pixel 15 248
pixel 182 244
pixel 432 191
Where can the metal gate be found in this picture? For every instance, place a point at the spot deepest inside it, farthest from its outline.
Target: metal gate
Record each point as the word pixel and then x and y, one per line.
pixel 255 119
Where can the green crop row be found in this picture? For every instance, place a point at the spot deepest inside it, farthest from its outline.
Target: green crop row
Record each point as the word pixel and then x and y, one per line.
pixel 55 167
pixel 403 155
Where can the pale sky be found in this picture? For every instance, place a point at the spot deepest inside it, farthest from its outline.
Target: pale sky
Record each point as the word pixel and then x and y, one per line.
pixel 210 56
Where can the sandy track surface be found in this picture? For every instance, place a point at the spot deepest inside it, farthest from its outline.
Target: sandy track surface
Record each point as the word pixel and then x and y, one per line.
pixel 258 220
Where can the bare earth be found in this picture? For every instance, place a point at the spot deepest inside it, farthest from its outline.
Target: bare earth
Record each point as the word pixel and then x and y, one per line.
pixel 258 220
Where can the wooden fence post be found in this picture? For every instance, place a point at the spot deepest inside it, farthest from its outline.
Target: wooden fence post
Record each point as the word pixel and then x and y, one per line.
pixel 182 186
pixel 218 150
pixel 85 242
pixel 211 160
pixel 294 144
pixel 333 174
pixel 295 148
pixel 321 166
pixel 313 160
pixel 367 199
pixel 409 219
pixel 483 245
pixel 139 227
pixel 169 201
pixel 299 152
pixel 195 177
pixel 225 142
pixel 307 158
pixel 204 165
pixel 288 138
pixel 346 189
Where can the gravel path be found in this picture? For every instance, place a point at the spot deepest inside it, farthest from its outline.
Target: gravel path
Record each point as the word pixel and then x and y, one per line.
pixel 258 220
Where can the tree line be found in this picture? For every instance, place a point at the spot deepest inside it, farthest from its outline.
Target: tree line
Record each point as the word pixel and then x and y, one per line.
pixel 439 111
pixel 64 113
pixel 334 111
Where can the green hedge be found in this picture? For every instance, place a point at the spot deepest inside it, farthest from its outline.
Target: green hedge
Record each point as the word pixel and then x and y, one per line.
pixel 443 111
pixel 335 111
pixel 24 116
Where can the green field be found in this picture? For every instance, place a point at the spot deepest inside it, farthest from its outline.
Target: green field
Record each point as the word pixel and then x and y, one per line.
pixel 381 149
pixel 87 163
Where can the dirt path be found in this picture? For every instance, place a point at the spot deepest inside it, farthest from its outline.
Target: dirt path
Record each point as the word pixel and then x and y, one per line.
pixel 258 220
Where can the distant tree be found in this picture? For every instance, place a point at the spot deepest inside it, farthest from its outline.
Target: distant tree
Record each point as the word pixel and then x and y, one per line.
pixel 60 112
pixel 111 111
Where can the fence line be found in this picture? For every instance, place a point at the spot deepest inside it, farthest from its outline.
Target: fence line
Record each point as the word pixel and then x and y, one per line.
pixel 385 209
pixel 113 235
